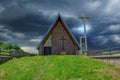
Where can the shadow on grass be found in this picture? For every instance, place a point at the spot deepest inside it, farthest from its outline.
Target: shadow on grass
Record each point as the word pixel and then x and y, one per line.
pixel 1 62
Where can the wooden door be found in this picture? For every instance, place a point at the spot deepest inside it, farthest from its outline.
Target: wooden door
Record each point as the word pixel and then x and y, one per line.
pixel 47 50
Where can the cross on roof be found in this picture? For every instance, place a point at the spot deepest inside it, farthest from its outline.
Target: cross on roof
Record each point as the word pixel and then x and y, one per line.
pixel 62 40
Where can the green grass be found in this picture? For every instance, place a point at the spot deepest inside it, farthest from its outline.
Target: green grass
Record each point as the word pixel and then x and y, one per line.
pixel 58 68
pixel 4 53
pixel 1 62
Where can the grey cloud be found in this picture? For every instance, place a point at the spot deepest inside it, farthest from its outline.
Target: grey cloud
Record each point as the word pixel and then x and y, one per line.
pixel 32 18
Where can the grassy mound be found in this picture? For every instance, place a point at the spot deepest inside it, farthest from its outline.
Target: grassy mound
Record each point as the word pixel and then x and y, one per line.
pixel 58 68
pixel 4 53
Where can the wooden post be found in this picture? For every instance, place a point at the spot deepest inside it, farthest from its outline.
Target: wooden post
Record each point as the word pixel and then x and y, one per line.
pixel 85 34
pixel 81 37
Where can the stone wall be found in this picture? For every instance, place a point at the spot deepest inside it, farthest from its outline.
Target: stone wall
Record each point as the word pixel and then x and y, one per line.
pixel 19 54
pixel 4 58
pixel 13 54
pixel 111 59
pixel 93 53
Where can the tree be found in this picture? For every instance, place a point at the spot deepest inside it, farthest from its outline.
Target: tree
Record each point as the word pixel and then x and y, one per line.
pixel 1 43
pixel 7 46
pixel 16 47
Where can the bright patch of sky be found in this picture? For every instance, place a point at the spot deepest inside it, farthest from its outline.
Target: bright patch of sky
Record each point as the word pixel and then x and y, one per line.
pixel 80 29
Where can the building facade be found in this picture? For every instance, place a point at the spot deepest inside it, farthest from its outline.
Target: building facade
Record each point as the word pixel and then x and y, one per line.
pixel 58 40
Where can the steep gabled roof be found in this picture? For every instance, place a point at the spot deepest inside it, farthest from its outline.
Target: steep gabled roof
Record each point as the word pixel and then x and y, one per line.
pixel 59 18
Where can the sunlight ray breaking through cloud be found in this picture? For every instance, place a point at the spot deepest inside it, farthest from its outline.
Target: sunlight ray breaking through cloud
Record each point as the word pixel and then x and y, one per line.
pixel 80 29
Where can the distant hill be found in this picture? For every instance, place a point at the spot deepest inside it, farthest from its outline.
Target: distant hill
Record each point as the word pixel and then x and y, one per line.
pixel 9 46
pixel 6 47
pixel 59 67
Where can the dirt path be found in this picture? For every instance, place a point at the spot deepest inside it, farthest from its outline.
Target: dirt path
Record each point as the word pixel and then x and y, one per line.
pixel 39 74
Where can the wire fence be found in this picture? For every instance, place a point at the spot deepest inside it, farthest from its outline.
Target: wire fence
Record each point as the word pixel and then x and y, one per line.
pixel 111 51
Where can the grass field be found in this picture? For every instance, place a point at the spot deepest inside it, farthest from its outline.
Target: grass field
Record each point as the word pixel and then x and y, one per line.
pixel 58 68
pixel 4 53
pixel 1 62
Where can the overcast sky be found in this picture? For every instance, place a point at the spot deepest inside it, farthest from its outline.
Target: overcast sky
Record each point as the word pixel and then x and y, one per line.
pixel 25 22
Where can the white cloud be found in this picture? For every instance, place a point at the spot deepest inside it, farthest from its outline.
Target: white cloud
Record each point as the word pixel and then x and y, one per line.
pixel 35 40
pixel 104 39
pixel 30 49
pixel 116 38
pixel 114 27
pixel 113 6
pixel 38 39
pixel 1 26
pixel 19 35
pixel 94 5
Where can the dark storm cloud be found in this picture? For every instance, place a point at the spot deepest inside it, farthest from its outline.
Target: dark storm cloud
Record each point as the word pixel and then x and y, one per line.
pixel 27 21
pixel 30 23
